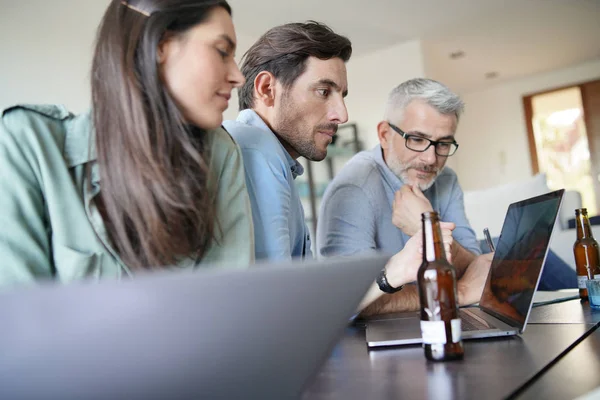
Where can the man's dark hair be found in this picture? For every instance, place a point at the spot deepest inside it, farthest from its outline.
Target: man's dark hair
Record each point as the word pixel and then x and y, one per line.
pixel 283 51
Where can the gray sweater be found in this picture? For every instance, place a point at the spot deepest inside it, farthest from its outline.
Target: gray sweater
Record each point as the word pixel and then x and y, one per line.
pixel 356 210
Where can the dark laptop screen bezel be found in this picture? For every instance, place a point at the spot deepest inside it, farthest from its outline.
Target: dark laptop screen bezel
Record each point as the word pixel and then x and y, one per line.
pixel 552 196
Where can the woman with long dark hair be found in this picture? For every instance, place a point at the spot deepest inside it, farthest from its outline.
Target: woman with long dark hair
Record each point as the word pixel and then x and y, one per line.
pixel 147 179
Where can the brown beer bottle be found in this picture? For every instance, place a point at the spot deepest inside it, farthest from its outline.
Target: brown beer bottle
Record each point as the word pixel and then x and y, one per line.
pixel 436 278
pixel 586 252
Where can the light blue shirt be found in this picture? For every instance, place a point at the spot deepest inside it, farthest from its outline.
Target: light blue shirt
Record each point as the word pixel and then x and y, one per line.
pixel 356 210
pixel 280 231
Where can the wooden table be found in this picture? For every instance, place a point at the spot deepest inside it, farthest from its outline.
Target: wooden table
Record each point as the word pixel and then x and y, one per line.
pixel 577 373
pixel 492 368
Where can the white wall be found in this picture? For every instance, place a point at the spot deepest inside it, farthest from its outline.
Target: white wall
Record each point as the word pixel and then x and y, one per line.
pixel 492 133
pixel 46 50
pixel 370 80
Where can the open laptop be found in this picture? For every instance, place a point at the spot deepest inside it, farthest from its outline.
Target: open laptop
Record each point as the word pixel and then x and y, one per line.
pixel 511 283
pixel 253 333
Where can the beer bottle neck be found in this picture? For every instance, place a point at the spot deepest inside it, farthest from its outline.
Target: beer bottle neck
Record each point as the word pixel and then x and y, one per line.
pixel 583 227
pixel 433 245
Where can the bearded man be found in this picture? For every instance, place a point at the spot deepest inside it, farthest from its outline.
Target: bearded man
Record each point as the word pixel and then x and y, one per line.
pixel 375 202
pixel 291 105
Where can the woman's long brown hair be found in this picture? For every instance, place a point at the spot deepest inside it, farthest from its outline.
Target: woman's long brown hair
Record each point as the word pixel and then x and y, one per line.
pixel 155 192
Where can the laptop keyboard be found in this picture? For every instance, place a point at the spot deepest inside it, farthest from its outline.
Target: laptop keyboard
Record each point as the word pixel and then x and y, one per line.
pixel 470 323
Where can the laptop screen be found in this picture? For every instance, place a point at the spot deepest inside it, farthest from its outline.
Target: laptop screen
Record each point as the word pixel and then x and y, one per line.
pixel 520 254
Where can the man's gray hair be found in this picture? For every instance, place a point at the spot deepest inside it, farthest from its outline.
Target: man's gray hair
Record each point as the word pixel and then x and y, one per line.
pixel 431 92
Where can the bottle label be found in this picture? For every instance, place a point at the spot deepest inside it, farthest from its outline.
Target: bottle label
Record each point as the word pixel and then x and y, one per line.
pixel 434 332
pixel 582 278
pixel 456 330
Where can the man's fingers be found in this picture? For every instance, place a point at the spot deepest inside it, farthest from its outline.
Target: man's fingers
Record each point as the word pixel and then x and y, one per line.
pixel 417 192
pixel 404 191
pixel 447 225
pixel 448 253
pixel 399 195
pixel 446 231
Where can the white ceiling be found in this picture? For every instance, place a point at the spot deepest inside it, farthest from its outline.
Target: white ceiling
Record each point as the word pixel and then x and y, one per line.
pixel 511 37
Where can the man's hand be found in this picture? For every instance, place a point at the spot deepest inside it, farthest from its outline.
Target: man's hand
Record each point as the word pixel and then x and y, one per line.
pixel 402 267
pixel 447 228
pixel 409 204
pixel 471 284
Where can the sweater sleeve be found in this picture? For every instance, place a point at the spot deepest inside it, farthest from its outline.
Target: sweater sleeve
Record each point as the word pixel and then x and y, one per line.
pixel 24 241
pixel 347 223
pixel 235 234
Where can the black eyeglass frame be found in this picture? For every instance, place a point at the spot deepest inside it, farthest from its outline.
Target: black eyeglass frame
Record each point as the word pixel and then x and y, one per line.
pixel 407 136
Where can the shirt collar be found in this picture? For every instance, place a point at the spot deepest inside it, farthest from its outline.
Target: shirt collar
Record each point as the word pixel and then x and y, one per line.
pixel 80 144
pixel 250 117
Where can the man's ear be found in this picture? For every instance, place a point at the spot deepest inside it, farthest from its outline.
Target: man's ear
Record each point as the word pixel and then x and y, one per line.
pixel 383 133
pixel 264 88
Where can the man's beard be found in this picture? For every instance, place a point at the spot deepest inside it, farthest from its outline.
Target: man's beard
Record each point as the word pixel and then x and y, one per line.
pixel 401 170
pixel 289 125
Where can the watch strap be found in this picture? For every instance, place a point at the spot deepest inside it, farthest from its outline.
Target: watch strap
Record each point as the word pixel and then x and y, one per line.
pixel 384 285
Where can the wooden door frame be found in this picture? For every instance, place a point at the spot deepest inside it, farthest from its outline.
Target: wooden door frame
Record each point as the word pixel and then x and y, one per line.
pixel 592 142
pixel 528 109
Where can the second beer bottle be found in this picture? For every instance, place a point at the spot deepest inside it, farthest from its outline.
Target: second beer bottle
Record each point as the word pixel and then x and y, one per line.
pixel 585 250
pixel 436 278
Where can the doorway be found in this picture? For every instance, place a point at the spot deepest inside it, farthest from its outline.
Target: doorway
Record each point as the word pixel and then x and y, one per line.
pixel 564 139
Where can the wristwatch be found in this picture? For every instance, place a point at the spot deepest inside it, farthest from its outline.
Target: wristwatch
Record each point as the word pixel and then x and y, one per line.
pixel 384 285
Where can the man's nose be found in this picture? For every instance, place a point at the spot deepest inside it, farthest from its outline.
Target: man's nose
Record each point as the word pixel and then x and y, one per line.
pixel 339 112
pixel 429 156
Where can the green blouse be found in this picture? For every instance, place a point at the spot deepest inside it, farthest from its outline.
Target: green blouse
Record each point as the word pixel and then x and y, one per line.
pixel 50 227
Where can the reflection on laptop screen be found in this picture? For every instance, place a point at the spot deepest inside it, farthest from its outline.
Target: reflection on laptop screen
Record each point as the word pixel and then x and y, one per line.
pixel 519 256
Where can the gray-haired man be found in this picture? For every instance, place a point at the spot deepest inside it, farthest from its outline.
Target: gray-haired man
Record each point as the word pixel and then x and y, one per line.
pixel 376 201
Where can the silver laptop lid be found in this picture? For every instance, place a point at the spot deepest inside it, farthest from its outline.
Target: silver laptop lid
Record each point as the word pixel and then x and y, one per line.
pixel 519 258
pixel 245 333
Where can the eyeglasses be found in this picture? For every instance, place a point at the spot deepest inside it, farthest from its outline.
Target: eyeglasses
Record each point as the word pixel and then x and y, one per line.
pixel 421 144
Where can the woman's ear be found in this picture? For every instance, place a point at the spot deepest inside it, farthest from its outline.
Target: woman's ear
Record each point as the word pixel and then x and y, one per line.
pixel 166 46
